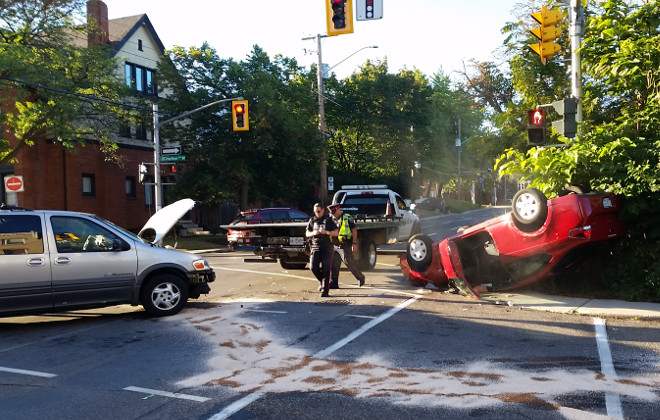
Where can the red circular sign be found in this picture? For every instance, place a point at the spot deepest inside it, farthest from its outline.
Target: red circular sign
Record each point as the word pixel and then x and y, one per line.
pixel 14 183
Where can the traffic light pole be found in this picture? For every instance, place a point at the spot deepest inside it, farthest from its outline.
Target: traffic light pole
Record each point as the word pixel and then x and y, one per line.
pixel 576 22
pixel 158 190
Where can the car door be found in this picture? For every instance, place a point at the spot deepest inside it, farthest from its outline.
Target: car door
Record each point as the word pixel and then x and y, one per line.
pixel 25 280
pixel 88 266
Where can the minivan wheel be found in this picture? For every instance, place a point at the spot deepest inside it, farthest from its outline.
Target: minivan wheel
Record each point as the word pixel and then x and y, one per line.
pixel 163 295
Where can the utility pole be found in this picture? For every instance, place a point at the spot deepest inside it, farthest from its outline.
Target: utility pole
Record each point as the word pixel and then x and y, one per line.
pixel 158 186
pixel 458 145
pixel 324 163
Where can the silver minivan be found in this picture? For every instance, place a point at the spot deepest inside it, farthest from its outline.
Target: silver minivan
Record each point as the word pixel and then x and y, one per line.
pixel 54 261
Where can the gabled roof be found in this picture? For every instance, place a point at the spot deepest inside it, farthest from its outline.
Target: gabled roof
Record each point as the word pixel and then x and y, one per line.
pixel 121 29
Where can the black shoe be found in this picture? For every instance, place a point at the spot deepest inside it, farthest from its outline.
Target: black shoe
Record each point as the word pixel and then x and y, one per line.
pixel 361 282
pixel 334 285
pixel 325 294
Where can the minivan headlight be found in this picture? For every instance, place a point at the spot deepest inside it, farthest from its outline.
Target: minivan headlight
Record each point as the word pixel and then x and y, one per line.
pixel 201 265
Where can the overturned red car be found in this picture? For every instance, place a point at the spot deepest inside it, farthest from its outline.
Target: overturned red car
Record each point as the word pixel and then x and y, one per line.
pixel 538 238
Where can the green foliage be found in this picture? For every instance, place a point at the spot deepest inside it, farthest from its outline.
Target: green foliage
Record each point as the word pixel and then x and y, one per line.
pixel 618 149
pixel 276 159
pixel 47 80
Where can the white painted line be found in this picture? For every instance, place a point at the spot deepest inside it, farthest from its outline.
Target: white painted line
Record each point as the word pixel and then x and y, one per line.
pixel 27 372
pixel 360 316
pixel 166 394
pixel 237 406
pixel 369 325
pixel 250 398
pixel 612 401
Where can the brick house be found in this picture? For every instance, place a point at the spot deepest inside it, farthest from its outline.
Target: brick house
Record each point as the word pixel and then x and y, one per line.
pixel 81 180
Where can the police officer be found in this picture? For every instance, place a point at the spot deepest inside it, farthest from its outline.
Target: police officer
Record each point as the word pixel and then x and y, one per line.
pixel 320 228
pixel 345 243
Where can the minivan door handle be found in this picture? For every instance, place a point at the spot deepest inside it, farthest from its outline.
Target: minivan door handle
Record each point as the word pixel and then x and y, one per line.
pixel 35 262
pixel 62 260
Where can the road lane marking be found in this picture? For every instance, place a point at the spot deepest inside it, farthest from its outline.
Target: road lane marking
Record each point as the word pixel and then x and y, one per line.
pixel 612 401
pixel 252 397
pixel 27 372
pixel 166 394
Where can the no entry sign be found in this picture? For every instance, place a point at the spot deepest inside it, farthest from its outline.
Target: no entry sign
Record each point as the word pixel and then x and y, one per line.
pixel 14 183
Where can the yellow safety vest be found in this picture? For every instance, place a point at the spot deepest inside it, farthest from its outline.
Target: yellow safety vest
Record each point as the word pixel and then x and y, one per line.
pixel 345 233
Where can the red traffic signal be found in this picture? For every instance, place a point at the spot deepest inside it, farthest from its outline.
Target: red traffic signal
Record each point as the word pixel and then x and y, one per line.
pixel 536 127
pixel 339 17
pixel 239 113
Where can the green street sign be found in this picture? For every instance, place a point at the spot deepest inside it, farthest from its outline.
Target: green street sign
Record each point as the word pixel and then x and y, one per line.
pixel 172 158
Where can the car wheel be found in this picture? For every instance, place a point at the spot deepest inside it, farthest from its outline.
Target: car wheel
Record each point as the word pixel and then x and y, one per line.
pixel 289 265
pixel 530 208
pixel 165 294
pixel 570 189
pixel 419 252
pixel 368 255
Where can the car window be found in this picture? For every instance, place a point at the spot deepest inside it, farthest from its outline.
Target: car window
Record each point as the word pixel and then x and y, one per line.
pixel 295 214
pixel 400 203
pixel 75 234
pixel 20 234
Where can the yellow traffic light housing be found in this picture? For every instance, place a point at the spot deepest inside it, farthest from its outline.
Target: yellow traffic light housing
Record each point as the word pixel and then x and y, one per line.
pixel 239 115
pixel 546 33
pixel 339 17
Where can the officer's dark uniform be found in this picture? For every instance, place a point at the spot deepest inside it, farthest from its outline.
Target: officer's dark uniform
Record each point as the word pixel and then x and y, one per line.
pixel 320 259
pixel 343 249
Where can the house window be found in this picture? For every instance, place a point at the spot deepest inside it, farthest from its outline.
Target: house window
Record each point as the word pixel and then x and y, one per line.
pixel 125 130
pixel 140 78
pixel 141 130
pixel 148 196
pixel 139 45
pixel 130 186
pixel 88 185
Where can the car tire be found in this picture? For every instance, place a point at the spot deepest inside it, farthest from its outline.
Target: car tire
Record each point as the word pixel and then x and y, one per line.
pixel 419 252
pixel 570 189
pixel 289 265
pixel 165 294
pixel 530 209
pixel 368 255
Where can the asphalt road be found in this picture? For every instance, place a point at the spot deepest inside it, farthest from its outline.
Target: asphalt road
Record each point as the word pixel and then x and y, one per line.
pixel 264 344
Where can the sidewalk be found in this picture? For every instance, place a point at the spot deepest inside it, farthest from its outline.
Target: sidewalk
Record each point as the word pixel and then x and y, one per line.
pixel 572 305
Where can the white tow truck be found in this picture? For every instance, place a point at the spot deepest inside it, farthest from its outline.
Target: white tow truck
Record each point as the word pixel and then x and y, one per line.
pixel 382 217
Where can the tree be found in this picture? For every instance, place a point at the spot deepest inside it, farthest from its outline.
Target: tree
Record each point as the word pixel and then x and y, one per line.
pixel 49 85
pixel 619 149
pixel 276 159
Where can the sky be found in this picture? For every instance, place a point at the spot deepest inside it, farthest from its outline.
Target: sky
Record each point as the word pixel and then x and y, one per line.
pixel 430 35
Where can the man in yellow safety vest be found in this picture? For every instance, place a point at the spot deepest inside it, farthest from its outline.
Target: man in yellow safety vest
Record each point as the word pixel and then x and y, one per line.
pixel 344 244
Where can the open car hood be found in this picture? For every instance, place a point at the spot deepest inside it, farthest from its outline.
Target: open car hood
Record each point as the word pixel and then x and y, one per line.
pixel 164 219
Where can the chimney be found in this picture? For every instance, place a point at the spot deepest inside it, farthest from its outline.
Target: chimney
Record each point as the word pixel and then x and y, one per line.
pixel 98 11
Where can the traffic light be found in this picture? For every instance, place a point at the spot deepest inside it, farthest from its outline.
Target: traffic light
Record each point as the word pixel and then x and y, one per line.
pixel 339 16
pixel 368 9
pixel 239 115
pixel 142 173
pixel 567 108
pixel 536 127
pixel 546 33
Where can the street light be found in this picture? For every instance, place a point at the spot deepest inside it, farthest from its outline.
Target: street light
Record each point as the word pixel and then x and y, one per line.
pixel 324 163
